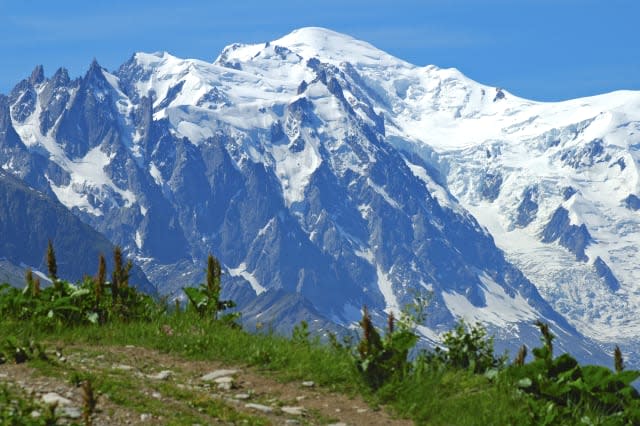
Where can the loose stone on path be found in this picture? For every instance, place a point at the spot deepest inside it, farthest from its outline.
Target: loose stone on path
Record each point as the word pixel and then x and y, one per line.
pixel 294 411
pixel 210 377
pixel 259 407
pixel 51 398
pixel 163 375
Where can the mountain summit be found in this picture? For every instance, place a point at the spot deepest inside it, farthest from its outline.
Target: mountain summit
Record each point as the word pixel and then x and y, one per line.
pixel 328 175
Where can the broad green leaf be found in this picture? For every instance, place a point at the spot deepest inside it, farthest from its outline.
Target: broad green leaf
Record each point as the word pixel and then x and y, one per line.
pixel 525 383
pixel 92 317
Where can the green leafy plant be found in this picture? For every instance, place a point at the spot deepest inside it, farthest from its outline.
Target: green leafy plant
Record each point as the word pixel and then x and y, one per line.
pixel 380 359
pixel 19 352
pixel 16 409
pixel 90 301
pixel 301 334
pixel 468 348
pixel 561 387
pixel 206 297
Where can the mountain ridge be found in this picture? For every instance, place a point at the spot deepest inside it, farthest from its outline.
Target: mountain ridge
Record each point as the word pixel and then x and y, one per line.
pixel 308 172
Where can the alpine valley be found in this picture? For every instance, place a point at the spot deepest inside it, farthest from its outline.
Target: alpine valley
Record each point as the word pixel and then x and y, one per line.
pixel 327 175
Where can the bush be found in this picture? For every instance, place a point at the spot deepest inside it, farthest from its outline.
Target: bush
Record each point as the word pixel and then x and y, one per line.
pixel 381 359
pixel 561 390
pixel 90 301
pixel 206 297
pixel 467 348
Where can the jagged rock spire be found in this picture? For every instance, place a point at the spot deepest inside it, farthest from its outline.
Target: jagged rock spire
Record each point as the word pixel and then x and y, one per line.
pixel 37 75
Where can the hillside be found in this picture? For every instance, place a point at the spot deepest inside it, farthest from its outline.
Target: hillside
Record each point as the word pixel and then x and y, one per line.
pixel 29 219
pixel 181 369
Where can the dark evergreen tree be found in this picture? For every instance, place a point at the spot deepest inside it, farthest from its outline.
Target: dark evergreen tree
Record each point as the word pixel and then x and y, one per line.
pixel 214 273
pixel 522 355
pixel 101 278
pixel 36 287
pixel 51 262
pixel 28 278
pixel 618 361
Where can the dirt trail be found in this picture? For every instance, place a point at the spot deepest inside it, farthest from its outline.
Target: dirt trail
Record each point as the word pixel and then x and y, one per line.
pixel 145 386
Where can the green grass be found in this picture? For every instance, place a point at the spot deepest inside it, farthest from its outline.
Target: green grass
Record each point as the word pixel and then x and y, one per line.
pixel 16 409
pixel 433 393
pixel 450 397
pixel 456 397
pixel 195 339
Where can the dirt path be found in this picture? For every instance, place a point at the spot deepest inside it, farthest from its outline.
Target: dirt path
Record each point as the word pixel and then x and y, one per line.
pixel 143 386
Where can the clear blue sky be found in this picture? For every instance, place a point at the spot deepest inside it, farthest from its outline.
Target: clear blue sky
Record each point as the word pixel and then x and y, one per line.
pixel 540 49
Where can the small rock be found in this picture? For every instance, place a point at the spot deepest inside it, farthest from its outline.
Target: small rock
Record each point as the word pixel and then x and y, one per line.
pixel 225 379
pixel 232 401
pixel 337 424
pixel 163 375
pixel 291 422
pixel 70 412
pixel 300 398
pixel 123 367
pixel 130 347
pixel 294 411
pixel 156 395
pixel 35 414
pixel 217 374
pixel 361 410
pixel 53 398
pixel 224 383
pixel 308 384
pixel 145 416
pixel 338 410
pixel 3 376
pixel 242 396
pixel 259 407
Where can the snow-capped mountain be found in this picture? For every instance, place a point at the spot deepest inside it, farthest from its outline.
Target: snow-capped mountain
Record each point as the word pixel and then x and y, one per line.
pixel 327 175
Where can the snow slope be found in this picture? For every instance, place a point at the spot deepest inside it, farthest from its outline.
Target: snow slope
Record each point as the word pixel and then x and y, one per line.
pixel 468 131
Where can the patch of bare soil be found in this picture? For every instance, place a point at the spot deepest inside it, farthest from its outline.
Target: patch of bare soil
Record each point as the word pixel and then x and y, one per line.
pixel 150 387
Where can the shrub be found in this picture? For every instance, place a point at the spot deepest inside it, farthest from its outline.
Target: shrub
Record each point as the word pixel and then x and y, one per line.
pixel 19 352
pixel 468 348
pixel 65 304
pixel 381 359
pixel 206 297
pixel 561 388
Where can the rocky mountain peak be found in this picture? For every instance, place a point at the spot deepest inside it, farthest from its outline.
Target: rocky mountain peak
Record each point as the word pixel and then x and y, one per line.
pixel 322 167
pixel 37 75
